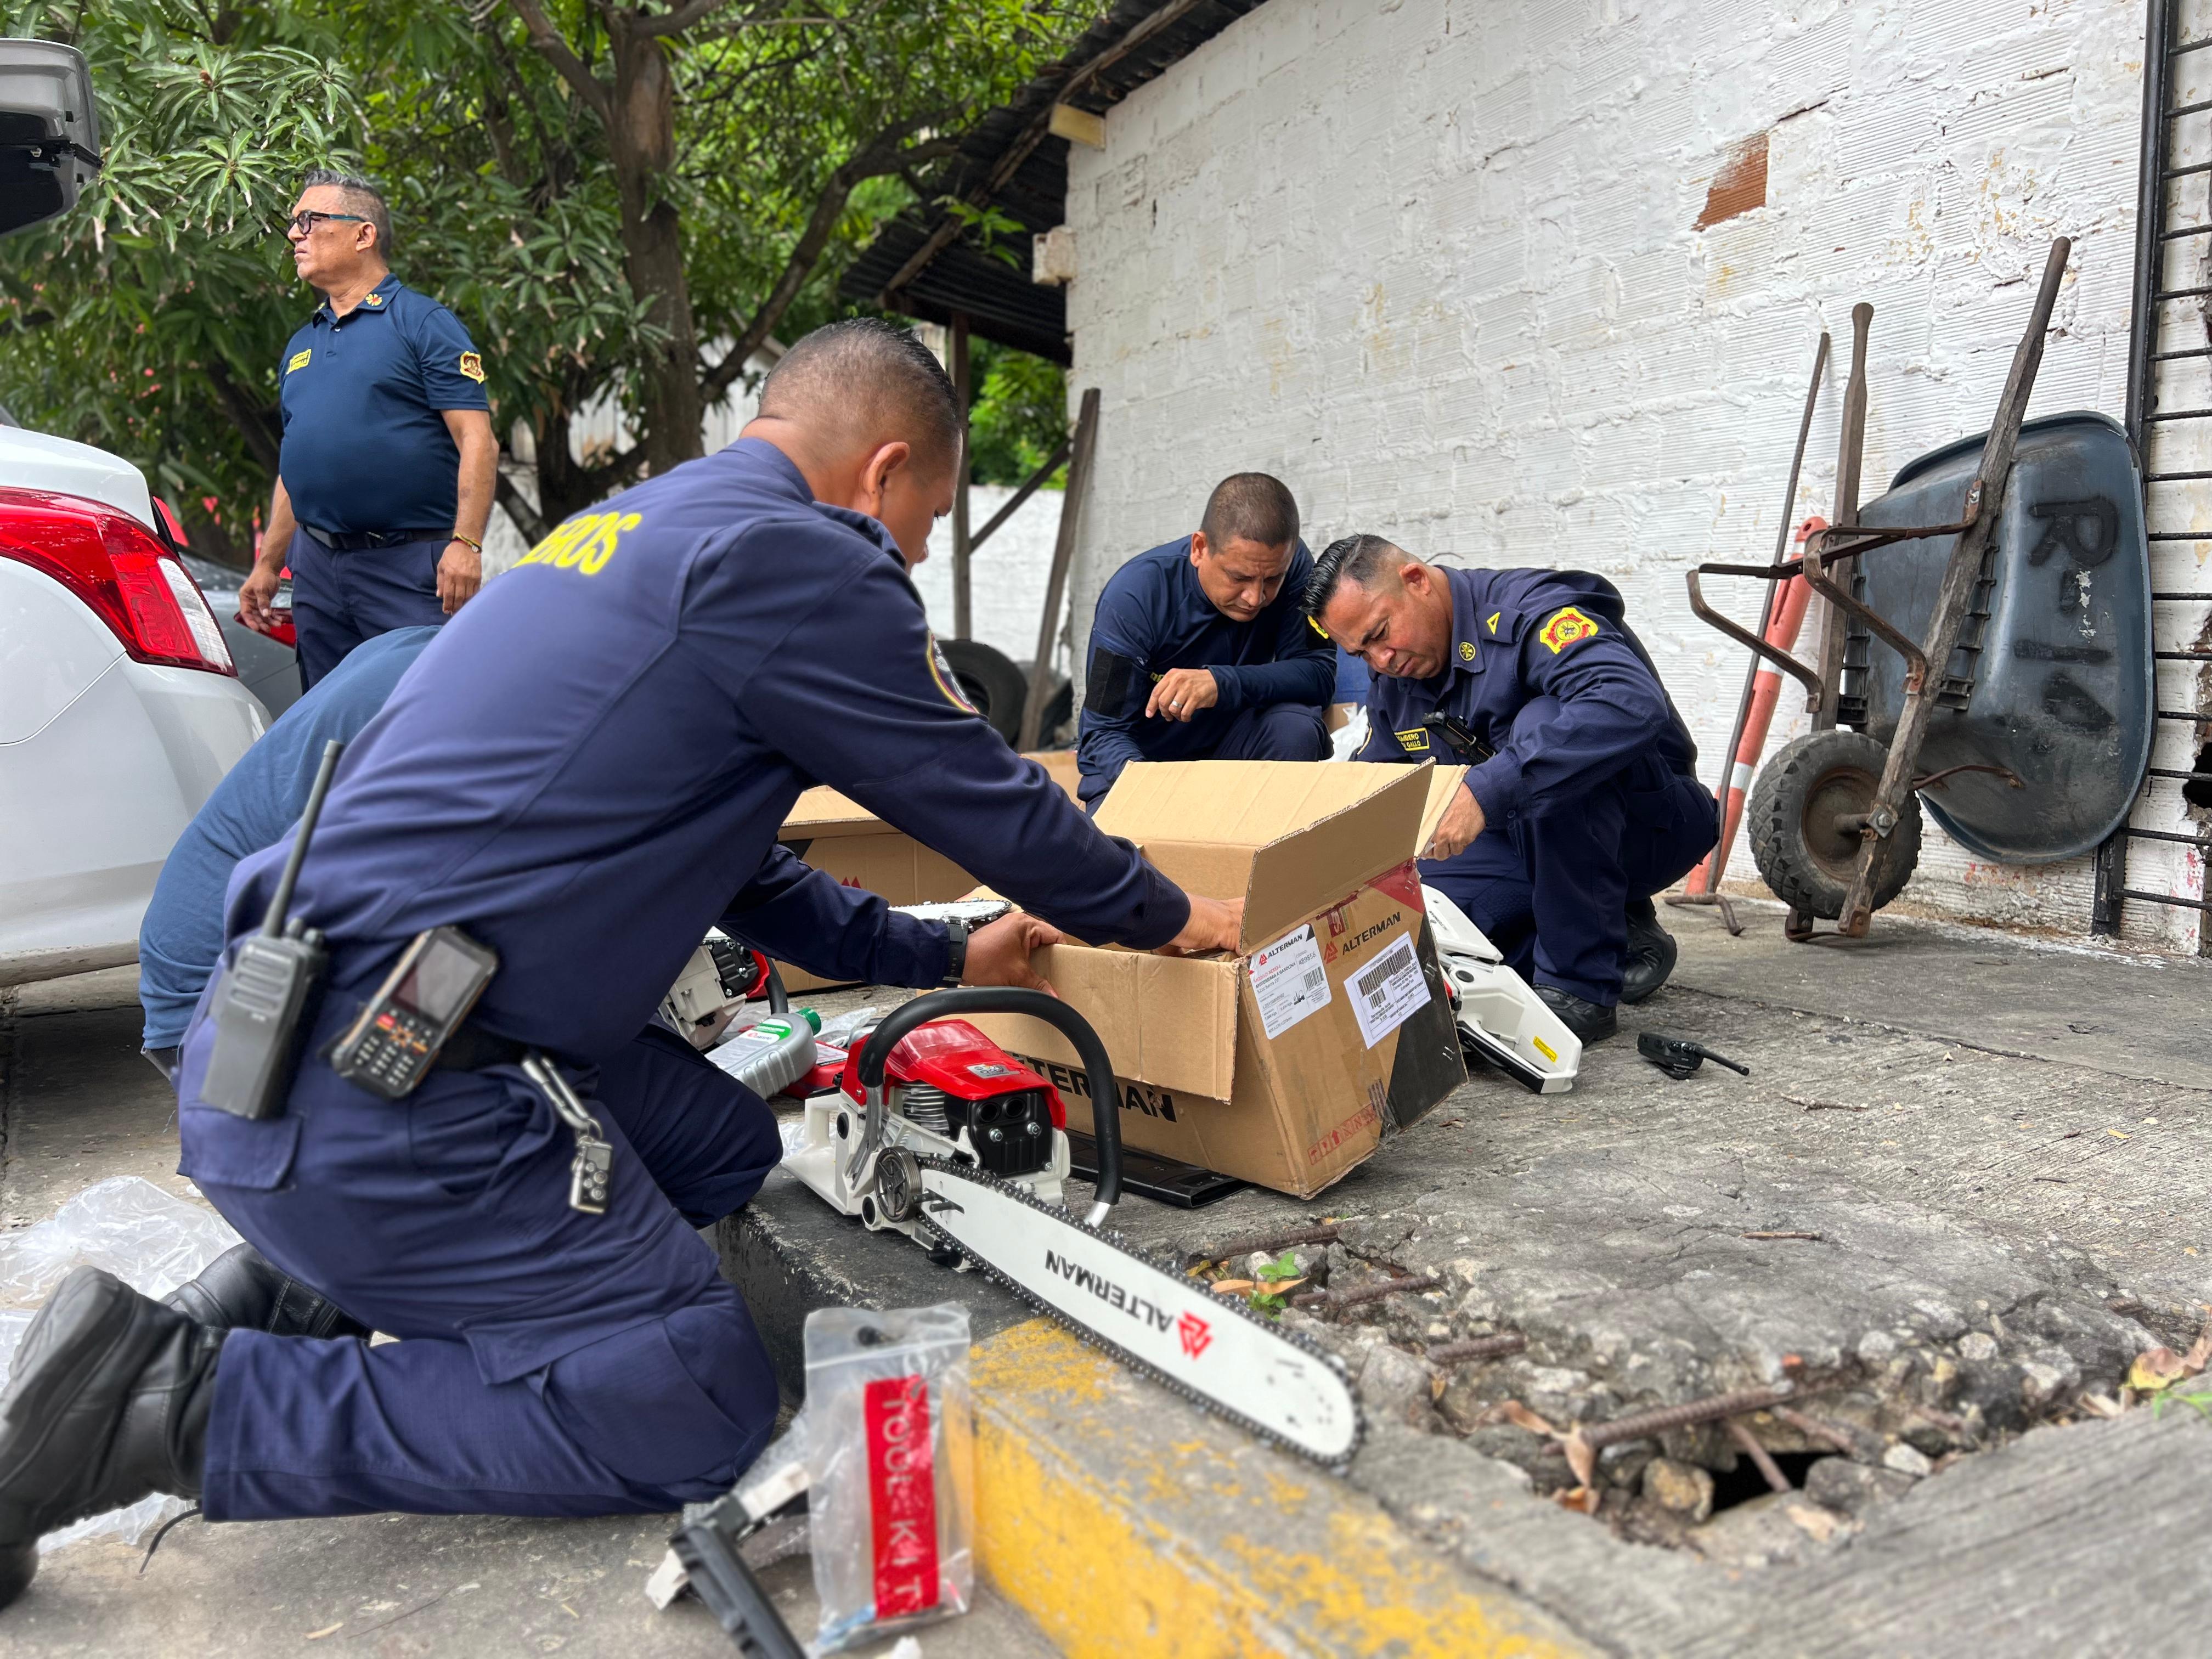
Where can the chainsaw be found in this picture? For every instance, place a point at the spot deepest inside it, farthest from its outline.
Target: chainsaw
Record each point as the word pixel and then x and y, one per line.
pixel 935 1132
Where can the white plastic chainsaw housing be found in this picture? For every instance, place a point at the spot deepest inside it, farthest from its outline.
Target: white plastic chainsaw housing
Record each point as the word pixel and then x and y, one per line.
pixel 1499 1013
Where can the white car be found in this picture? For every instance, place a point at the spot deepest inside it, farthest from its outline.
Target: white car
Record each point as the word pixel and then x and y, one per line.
pixel 120 709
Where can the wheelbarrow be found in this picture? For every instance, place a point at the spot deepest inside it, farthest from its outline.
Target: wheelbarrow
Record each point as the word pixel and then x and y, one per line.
pixel 1994 651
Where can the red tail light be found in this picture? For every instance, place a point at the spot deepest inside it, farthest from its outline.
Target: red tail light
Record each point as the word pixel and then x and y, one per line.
pixel 116 566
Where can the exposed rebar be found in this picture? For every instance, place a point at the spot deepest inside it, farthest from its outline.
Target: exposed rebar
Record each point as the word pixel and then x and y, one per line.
pixel 1336 1301
pixel 1747 1444
pixel 1643 1425
pixel 1280 1241
pixel 1478 1348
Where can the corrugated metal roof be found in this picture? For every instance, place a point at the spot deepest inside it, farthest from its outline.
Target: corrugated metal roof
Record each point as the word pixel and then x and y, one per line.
pixel 1001 302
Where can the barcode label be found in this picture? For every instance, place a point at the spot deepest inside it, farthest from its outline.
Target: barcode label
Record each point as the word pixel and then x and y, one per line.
pixel 1389 990
pixel 1288 982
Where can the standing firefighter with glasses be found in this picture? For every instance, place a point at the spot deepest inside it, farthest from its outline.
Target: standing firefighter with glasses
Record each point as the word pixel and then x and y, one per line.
pixel 385 477
pixel 1582 799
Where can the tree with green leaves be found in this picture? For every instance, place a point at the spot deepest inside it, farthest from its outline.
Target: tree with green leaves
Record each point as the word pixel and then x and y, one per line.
pixel 622 201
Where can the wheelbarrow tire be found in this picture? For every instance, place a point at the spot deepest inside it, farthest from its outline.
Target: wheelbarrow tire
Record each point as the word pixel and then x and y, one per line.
pixel 1806 860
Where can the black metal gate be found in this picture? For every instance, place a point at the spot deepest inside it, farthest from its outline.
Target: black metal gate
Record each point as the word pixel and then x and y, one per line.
pixel 2170 362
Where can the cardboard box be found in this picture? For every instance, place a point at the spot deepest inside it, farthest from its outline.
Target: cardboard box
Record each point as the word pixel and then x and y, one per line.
pixel 1442 781
pixel 1287 1063
pixel 843 839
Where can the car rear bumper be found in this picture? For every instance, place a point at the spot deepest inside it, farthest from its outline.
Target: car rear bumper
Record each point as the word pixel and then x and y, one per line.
pixel 91 803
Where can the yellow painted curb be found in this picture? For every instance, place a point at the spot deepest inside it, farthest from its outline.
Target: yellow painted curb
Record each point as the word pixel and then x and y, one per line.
pixel 1128 1525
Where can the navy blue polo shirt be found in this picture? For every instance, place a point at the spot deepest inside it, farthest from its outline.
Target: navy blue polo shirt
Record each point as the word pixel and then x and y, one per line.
pixel 598 750
pixel 365 446
pixel 1153 617
pixel 1522 636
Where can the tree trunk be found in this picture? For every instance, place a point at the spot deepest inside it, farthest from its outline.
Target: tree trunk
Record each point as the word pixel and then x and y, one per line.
pixel 563 489
pixel 642 139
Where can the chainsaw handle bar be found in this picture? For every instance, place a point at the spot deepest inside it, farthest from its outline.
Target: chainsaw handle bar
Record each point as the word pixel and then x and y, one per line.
pixel 1105 1097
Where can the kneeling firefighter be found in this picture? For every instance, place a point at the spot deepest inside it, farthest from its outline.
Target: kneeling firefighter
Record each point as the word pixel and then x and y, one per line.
pixel 576 776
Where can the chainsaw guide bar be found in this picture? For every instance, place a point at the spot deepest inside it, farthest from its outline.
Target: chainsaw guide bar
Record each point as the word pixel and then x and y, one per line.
pixel 1219 1354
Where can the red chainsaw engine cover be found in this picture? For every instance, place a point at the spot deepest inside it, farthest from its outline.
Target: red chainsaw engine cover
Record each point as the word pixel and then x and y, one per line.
pixel 953 1056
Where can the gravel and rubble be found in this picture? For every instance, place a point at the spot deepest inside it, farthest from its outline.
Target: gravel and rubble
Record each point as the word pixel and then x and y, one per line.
pixel 1922 1248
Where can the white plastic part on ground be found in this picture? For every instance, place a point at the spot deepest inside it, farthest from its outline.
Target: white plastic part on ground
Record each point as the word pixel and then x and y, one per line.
pixel 152 1241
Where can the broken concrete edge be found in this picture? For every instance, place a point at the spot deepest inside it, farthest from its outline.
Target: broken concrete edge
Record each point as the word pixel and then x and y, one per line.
pixel 1119 1518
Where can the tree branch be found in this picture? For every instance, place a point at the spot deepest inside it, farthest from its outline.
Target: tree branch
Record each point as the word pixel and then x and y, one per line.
pixel 547 41
pixel 251 423
pixel 885 155
pixel 527 518
pixel 647 24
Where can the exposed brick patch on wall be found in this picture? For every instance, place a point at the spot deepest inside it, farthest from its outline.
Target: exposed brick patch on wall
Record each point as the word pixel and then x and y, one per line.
pixel 1739 185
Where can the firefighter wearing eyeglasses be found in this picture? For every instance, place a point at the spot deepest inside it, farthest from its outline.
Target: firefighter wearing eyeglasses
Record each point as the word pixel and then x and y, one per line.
pixel 386 476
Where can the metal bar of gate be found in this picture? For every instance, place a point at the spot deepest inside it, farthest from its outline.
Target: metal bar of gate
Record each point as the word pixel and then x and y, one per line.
pixel 2111 890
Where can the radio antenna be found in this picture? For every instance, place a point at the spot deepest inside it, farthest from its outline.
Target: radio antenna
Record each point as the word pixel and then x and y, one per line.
pixel 280 902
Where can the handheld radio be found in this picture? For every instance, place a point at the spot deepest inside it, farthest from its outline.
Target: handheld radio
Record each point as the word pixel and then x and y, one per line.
pixel 258 1006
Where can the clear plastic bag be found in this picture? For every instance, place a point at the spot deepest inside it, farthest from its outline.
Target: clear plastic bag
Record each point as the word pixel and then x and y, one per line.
pixel 890 1447
pixel 151 1240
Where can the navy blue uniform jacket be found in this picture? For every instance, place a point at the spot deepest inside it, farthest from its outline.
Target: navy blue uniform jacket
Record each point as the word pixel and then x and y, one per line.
pixel 1153 617
pixel 1517 636
pixel 598 751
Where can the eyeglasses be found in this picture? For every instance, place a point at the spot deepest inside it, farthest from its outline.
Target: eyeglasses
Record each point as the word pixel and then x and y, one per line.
pixel 305 222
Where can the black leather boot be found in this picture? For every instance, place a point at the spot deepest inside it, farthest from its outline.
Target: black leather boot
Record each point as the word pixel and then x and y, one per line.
pixel 1593 1021
pixel 241 1290
pixel 1651 952
pixel 108 1404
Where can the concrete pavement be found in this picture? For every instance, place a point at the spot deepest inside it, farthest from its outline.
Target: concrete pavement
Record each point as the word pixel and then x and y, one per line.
pixel 1997 1144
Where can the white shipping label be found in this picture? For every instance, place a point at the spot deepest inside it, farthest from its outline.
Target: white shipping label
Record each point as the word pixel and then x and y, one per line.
pixel 1389 991
pixel 1288 982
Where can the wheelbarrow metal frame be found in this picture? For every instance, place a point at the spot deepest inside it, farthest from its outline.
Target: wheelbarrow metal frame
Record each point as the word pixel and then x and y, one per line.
pixel 1845 539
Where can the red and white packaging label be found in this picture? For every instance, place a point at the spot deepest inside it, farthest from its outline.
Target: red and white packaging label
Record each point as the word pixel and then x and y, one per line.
pixel 903 1494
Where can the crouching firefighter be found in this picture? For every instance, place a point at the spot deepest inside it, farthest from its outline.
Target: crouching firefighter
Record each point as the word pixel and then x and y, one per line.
pixel 561 795
pixel 1583 799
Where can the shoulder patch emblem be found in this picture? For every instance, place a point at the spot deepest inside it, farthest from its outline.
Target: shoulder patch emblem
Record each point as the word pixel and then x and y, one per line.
pixel 300 359
pixel 1465 651
pixel 941 672
pixel 1566 627
pixel 1492 624
pixel 472 365
pixel 1415 741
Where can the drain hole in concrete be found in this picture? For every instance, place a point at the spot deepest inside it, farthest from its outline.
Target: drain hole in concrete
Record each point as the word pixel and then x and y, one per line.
pixel 1744 1482
pixel 2198 792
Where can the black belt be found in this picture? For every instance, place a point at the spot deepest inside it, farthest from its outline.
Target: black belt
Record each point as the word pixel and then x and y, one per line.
pixel 472 1048
pixel 361 540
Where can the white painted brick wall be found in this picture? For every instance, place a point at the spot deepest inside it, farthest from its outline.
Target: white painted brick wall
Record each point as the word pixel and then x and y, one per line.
pixel 1433 263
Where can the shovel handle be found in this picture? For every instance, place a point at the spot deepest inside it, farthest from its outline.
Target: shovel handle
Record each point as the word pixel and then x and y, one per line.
pixel 1105 1097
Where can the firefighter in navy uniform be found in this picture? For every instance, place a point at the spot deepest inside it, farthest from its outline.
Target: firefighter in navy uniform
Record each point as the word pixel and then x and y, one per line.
pixel 1199 650
pixel 1583 799
pixel 578 773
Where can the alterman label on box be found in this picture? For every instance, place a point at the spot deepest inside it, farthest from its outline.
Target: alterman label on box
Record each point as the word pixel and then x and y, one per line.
pixel 1289 982
pixel 1389 991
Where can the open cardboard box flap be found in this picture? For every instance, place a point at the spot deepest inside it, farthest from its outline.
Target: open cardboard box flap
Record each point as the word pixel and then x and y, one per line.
pixel 822 813
pixel 1443 779
pixel 1194 1054
pixel 1288 838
